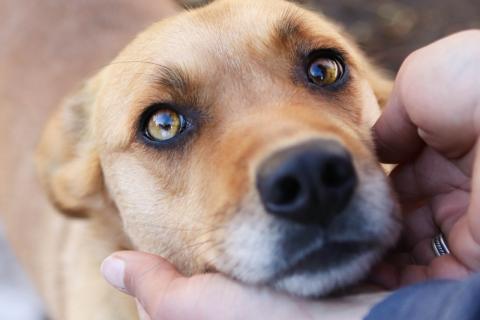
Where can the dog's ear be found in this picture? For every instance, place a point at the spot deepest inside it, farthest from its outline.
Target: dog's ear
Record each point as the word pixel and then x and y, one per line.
pixel 67 160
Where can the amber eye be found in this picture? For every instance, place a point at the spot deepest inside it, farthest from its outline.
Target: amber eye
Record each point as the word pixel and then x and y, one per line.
pixel 325 71
pixel 164 124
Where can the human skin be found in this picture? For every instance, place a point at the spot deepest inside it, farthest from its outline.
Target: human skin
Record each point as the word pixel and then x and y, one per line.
pixel 431 127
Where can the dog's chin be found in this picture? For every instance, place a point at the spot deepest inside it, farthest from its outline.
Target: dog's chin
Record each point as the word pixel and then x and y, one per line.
pixel 332 267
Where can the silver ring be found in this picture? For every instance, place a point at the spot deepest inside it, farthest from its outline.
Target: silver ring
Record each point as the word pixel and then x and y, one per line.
pixel 439 245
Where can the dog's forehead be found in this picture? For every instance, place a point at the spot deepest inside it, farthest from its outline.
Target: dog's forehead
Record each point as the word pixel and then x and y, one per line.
pixel 222 45
pixel 225 33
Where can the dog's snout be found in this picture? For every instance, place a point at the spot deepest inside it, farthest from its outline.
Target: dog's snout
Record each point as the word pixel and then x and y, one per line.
pixel 308 183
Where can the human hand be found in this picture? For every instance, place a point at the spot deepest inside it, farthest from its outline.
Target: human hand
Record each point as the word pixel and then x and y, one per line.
pixel 431 126
pixel 162 293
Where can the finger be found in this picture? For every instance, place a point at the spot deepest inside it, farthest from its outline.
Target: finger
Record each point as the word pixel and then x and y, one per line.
pixel 385 274
pixel 444 267
pixel 439 214
pixel 412 274
pixel 147 277
pixel 447 267
pixel 420 99
pixel 420 178
pixel 391 275
pixel 395 135
pixel 465 234
pixel 418 225
pixel 423 253
pixel 441 92
pixel 165 294
pixel 422 224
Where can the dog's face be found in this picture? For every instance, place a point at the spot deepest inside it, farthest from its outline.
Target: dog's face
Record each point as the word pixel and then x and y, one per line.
pixel 236 138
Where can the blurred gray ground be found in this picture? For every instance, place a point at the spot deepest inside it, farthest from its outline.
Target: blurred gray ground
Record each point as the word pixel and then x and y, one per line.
pixel 18 301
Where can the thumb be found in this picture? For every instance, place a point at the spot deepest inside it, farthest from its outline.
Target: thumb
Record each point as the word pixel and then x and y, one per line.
pixel 147 277
pixel 165 294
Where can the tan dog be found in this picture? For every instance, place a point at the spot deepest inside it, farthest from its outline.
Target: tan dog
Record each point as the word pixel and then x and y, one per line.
pixel 232 138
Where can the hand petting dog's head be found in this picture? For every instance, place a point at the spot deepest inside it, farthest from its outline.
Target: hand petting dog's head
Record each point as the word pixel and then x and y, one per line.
pixel 234 137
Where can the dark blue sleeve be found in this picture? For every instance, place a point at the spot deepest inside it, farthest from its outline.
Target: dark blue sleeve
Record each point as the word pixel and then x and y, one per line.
pixel 432 300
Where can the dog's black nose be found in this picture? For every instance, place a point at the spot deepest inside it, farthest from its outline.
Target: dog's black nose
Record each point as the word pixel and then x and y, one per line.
pixel 308 183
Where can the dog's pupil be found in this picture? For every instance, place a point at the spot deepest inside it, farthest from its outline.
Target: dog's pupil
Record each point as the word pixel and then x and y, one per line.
pixel 166 126
pixel 164 121
pixel 317 71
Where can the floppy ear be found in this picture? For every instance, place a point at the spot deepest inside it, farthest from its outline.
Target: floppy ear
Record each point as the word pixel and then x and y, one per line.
pixel 66 159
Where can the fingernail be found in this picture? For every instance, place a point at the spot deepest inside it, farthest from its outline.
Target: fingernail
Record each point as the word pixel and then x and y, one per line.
pixel 113 270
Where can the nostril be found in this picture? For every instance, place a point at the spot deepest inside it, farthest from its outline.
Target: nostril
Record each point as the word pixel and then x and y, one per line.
pixel 336 172
pixel 308 183
pixel 286 190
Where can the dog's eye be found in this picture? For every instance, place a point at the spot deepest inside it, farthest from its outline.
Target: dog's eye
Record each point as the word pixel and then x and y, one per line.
pixel 164 124
pixel 324 70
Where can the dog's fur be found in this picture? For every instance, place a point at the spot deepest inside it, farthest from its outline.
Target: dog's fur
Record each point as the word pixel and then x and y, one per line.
pixel 196 203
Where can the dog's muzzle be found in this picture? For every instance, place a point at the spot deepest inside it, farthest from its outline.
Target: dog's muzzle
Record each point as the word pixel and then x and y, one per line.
pixel 308 183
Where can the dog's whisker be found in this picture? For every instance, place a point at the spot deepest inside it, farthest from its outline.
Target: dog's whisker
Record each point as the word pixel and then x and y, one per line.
pixel 198 244
pixel 152 268
pixel 180 229
pixel 177 226
pixel 188 247
pixel 214 245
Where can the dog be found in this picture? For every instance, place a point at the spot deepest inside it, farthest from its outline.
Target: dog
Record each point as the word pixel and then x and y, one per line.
pixel 232 138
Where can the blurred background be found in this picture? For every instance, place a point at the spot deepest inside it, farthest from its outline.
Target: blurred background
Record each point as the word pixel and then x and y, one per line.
pixel 387 30
pixel 390 30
